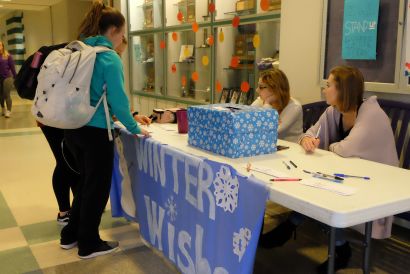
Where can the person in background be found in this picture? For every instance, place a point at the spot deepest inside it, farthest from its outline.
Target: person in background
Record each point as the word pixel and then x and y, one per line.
pixel 7 74
pixel 65 174
pixel 90 144
pixel 274 92
pixel 349 127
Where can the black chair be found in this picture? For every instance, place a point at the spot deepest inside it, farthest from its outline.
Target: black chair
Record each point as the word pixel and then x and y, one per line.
pixel 399 114
pixel 312 112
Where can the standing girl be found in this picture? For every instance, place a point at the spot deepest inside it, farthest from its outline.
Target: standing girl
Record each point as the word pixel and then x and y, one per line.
pixel 94 152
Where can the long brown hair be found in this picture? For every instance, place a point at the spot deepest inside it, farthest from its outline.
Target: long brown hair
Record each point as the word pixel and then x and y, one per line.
pixel 278 82
pixel 99 19
pixel 4 53
pixel 350 86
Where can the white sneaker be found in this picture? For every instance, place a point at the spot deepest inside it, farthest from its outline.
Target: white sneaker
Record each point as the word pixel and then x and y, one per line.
pixel 7 114
pixel 3 111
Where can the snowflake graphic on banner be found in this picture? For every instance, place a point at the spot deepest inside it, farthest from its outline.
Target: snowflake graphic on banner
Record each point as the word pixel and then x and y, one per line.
pixel 226 189
pixel 171 207
pixel 241 241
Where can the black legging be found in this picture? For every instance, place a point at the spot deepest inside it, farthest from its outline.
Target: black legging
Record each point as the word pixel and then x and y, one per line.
pixel 94 154
pixel 64 176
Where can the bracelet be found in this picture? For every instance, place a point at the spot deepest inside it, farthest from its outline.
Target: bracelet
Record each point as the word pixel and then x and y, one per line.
pixel 134 113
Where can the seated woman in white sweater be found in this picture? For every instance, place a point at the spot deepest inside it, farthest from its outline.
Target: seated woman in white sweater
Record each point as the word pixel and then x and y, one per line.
pixel 273 90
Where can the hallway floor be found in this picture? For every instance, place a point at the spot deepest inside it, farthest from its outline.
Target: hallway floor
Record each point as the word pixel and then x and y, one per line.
pixel 29 233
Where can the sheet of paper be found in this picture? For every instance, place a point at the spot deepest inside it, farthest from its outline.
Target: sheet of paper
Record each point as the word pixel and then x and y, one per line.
pixel 269 171
pixel 333 187
pixel 168 127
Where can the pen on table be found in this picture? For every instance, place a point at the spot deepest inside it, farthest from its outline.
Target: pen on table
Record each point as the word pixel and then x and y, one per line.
pixel 351 176
pixel 319 176
pixel 285 179
pixel 330 176
pixel 287 166
pixel 318 131
pixel 322 175
pixel 293 164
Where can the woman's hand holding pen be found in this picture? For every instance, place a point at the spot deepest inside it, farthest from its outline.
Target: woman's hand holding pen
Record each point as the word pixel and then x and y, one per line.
pixel 309 144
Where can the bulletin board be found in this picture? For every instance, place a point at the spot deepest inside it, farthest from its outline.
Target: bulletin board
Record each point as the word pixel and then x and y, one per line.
pixel 381 70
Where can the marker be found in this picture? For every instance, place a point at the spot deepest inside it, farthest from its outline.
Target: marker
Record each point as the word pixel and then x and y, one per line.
pixel 293 164
pixel 319 176
pixel 330 176
pixel 318 132
pixel 323 175
pixel 351 176
pixel 287 166
pixel 285 179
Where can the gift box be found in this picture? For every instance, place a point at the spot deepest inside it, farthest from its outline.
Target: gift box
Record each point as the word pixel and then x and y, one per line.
pixel 233 130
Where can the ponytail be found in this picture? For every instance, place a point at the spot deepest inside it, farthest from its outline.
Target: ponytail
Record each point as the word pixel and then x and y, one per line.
pixel 99 19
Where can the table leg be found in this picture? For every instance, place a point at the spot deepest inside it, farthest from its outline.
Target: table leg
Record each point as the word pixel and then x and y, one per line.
pixel 331 253
pixel 366 245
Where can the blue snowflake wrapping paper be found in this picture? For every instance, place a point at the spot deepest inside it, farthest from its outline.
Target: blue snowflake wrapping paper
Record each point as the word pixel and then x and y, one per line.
pixel 233 130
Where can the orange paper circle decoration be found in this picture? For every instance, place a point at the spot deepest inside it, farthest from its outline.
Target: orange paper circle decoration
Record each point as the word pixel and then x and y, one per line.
pixel 175 36
pixel 195 76
pixel 264 5
pixel 245 86
pixel 218 86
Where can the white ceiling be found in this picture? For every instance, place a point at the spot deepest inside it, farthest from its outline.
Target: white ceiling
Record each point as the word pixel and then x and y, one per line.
pixel 7 6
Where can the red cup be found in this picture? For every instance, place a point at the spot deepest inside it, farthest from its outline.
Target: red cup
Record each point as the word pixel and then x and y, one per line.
pixel 182 120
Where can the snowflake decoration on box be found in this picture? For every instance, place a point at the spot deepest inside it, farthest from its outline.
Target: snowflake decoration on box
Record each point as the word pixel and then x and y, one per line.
pixel 226 189
pixel 171 207
pixel 241 241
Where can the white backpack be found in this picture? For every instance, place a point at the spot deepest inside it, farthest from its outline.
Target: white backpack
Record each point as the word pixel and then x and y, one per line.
pixel 62 97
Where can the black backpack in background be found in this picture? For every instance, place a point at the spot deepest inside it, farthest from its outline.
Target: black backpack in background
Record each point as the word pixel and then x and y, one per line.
pixel 26 79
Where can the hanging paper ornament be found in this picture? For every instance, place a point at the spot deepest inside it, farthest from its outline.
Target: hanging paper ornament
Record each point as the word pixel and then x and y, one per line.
pixel 256 40
pixel 173 68
pixel 218 86
pixel 264 5
pixel 245 86
pixel 180 16
pixel 221 36
pixel 235 61
pixel 235 21
pixel 186 51
pixel 183 80
pixel 175 36
pixel 195 27
pixel 195 76
pixel 211 7
pixel 205 60
pixel 162 44
pixel 210 40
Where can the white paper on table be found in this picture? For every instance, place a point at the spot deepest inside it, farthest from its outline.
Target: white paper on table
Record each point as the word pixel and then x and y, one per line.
pixel 168 127
pixel 269 171
pixel 333 187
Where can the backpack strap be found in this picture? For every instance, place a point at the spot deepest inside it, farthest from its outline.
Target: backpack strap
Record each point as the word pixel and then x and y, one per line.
pixel 103 99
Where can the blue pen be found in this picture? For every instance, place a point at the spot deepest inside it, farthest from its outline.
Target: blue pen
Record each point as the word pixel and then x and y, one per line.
pixel 351 176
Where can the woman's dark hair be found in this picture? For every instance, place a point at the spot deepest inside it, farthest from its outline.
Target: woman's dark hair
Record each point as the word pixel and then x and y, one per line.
pixel 99 19
pixel 350 84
